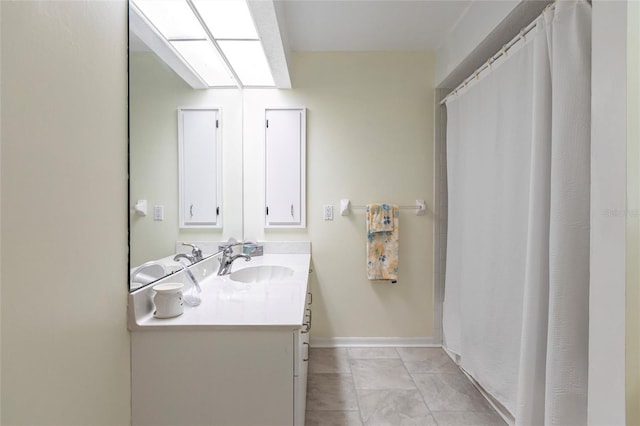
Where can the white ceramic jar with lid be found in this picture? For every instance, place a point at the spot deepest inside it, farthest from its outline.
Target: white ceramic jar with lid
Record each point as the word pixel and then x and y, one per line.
pixel 168 300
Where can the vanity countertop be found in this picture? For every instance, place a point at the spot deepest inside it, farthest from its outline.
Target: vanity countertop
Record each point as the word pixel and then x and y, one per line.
pixel 231 304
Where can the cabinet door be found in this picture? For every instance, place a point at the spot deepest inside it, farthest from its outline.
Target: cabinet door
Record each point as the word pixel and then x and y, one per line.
pixel 200 168
pixel 285 169
pixel 234 377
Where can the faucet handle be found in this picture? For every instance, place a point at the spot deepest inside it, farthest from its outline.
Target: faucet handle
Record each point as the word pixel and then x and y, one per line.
pixel 195 251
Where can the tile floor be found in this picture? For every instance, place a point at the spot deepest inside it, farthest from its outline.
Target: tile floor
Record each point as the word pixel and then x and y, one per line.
pixel 391 386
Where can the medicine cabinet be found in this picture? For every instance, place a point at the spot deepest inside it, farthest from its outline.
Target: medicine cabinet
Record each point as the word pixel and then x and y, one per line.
pixel 200 167
pixel 285 168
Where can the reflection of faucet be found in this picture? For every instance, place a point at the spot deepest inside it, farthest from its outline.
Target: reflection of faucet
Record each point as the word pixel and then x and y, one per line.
pixel 196 254
pixel 227 260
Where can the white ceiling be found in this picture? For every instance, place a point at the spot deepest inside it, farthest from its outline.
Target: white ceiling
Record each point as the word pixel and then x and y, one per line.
pixel 355 25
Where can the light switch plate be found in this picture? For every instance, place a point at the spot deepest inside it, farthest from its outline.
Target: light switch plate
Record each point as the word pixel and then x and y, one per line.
pixel 158 212
pixel 328 212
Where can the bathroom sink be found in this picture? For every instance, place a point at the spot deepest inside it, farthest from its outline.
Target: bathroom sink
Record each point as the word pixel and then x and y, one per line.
pixel 263 273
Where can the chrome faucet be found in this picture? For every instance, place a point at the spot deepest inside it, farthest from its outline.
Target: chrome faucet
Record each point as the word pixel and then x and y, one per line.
pixel 196 254
pixel 227 260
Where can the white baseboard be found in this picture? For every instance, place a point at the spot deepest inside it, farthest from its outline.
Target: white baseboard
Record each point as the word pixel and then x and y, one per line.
pixel 354 342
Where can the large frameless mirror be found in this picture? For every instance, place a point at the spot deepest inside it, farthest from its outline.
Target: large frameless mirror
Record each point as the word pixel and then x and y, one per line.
pixel 158 93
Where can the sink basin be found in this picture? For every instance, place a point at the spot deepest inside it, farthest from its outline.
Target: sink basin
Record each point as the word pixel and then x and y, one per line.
pixel 263 273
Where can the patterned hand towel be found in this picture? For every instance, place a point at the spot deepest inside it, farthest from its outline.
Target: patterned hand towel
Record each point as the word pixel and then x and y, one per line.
pixel 382 242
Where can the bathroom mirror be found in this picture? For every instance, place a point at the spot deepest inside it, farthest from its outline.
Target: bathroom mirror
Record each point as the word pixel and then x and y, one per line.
pixel 156 93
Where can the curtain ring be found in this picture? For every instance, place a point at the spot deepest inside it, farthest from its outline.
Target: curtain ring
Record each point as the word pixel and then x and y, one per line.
pixel 522 35
pixel 504 50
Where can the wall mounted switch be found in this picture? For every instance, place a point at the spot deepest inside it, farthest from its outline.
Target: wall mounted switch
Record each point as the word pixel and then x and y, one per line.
pixel 328 212
pixel 158 212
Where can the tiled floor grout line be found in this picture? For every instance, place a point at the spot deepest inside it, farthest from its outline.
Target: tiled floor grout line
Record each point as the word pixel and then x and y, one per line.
pixel 362 419
pixel 418 389
pixel 353 382
pixel 359 356
pixel 399 356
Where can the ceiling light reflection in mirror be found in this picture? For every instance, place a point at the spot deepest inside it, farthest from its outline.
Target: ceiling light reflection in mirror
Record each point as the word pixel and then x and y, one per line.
pixel 227 19
pixel 173 19
pixel 204 60
pixel 228 39
pixel 249 61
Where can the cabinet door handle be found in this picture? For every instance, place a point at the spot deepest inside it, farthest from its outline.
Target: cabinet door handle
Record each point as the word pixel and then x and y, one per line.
pixel 291 210
pixel 308 323
pixel 191 210
pixel 308 348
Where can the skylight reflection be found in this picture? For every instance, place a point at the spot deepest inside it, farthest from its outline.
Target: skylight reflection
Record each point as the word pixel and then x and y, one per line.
pixel 172 18
pixel 248 60
pixel 227 26
pixel 204 59
pixel 227 19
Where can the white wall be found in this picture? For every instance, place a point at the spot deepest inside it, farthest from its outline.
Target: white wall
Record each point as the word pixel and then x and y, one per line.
pixel 65 346
pixel 370 139
pixel 480 19
pixel 606 405
pixel 156 92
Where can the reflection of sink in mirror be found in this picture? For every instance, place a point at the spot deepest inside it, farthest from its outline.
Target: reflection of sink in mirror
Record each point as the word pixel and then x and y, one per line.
pixel 152 271
pixel 263 273
pixel 147 273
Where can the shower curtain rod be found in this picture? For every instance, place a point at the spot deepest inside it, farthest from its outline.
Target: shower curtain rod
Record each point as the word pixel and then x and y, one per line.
pixel 502 52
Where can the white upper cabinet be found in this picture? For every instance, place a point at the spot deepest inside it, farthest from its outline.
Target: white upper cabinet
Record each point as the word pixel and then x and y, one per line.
pixel 200 168
pixel 285 167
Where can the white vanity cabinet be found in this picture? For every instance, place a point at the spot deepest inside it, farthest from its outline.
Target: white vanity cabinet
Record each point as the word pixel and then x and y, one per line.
pixel 285 168
pixel 222 377
pixel 240 358
pixel 301 366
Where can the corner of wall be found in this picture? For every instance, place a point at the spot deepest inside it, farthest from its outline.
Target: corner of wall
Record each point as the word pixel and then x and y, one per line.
pixel 633 218
pixel 441 212
pixel 479 34
pixel 1 138
pixel 606 390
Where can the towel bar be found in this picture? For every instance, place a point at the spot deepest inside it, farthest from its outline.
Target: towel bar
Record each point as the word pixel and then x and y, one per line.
pixel 420 207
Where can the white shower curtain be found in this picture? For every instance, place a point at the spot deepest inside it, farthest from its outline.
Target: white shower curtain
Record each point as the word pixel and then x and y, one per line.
pixel 517 276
